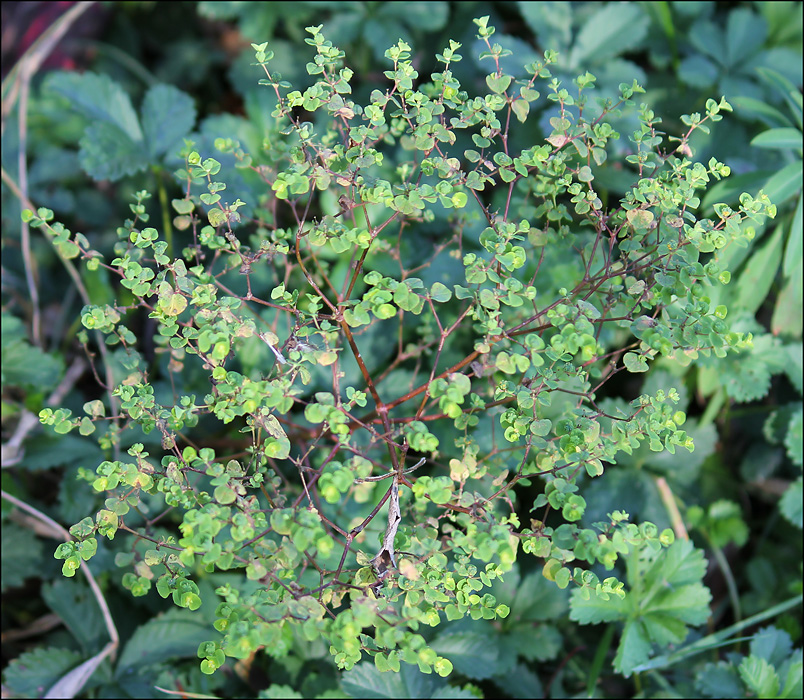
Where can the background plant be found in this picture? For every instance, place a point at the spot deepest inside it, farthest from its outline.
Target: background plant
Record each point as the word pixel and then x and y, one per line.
pixel 633 484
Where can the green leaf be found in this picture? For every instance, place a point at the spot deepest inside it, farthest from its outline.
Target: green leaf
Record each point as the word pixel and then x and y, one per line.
pixel 24 365
pixel 748 379
pixel 470 652
pixel 787 320
pixel 678 565
pixel 21 556
pixel 745 34
pixel 365 681
pixel 719 680
pixel 790 503
pixel 356 316
pixel 729 189
pixel 793 673
pixel 750 107
pixel 520 107
pixel 100 99
pixel 661 602
pixel 32 673
pixel 633 650
pixel 168 115
pixel 696 70
pixel 440 293
pixel 793 439
pixel 595 610
pixel 532 598
pixel 552 23
pixel 759 676
pixel 280 692
pixel 174 634
pixel 174 304
pixel 771 644
pixel 785 88
pixel 635 363
pixel 793 365
pixel 794 251
pixel 498 83
pixel 612 30
pixel 521 681
pixel 108 153
pixel 760 271
pixel 784 184
pixel 49 451
pixel 533 642
pixel 541 427
pixel 781 138
pixel 75 605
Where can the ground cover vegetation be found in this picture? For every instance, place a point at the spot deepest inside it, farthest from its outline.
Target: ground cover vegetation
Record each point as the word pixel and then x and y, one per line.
pixel 403 350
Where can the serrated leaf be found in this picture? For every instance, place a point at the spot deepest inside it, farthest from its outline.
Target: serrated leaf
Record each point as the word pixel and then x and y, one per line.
pixel 24 365
pixel 689 604
pixel 664 629
pixel 521 682
pixel 365 681
pixel 661 602
pixel 759 676
pixel 748 380
pixel 168 115
pixel 100 99
pixel 793 439
pixel 21 556
pixel 792 671
pixel 31 674
pixel 534 643
pixel 791 503
pixel 71 683
pixel 176 633
pixel 75 605
pixel 107 152
pixel 49 451
pixel 595 610
pixel 678 565
pixel 771 644
pixel 634 648
pixel 470 652
pixel 537 599
pixel 719 680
